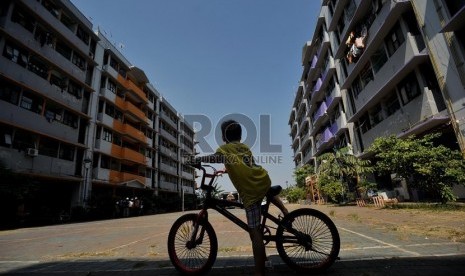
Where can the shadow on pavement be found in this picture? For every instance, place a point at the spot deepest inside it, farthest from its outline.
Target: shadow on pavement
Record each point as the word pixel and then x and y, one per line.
pixel 446 265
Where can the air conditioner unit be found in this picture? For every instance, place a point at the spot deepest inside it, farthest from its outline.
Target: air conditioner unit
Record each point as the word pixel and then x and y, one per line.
pixel 32 152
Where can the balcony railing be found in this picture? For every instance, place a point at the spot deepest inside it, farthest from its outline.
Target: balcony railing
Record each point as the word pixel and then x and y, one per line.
pixel 128 84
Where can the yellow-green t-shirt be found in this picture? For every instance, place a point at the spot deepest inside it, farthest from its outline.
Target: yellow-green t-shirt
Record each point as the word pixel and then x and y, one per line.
pixel 251 181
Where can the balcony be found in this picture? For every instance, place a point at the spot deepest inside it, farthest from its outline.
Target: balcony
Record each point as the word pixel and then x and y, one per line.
pixel 315 92
pixel 125 154
pixel 126 129
pixel 328 71
pixel 340 125
pixel 334 97
pixel 168 136
pixel 128 84
pixel 132 155
pixel 59 27
pixel 26 119
pixel 403 61
pixel 168 152
pixel 312 72
pixel 110 71
pixel 319 114
pixel 39 165
pixel 131 108
pixel 334 18
pixel 107 94
pixel 26 38
pixel 168 186
pixel 165 117
pixel 21 75
pixel 119 177
pixel 323 138
pixel 187 175
pixel 384 21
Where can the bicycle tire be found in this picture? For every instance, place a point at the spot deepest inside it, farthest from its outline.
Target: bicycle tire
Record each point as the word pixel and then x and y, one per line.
pixel 192 261
pixel 317 245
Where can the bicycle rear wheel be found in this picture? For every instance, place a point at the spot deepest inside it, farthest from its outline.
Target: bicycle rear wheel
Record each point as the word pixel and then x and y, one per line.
pixel 313 243
pixel 192 258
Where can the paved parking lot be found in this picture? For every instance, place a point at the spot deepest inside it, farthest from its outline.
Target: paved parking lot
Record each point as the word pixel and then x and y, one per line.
pixel 137 246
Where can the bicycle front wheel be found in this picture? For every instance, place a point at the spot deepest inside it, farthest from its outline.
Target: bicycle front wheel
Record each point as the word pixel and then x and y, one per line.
pixel 188 254
pixel 311 241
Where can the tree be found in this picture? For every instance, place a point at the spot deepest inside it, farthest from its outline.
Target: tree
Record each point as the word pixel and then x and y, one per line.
pixel 301 173
pixel 337 170
pixel 431 168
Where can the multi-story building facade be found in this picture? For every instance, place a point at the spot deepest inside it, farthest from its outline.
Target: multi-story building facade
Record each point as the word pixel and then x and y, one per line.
pixel 400 74
pixel 77 116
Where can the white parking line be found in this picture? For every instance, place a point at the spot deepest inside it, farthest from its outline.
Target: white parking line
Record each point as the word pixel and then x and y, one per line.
pixel 380 241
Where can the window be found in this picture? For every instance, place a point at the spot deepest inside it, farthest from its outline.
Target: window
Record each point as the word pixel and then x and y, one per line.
pixel 23 140
pixel 9 92
pixel 394 39
pixel 364 122
pixel 366 75
pixel 409 88
pixel 66 152
pixel 51 7
pixel 15 54
pixel 111 86
pixel 53 112
pixel 48 147
pixel 78 61
pixel 377 114
pixel 31 102
pixel 67 21
pixel 114 64
pixel 82 35
pixel 58 80
pixel 356 87
pixel 23 18
pixel 107 135
pixel 392 103
pixel 378 59
pixel 70 119
pixel 75 89
pixel 63 49
pixel 105 162
pixel 6 134
pixel 38 66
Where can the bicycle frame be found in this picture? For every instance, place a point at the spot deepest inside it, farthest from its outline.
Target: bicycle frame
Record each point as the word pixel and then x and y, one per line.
pixel 220 206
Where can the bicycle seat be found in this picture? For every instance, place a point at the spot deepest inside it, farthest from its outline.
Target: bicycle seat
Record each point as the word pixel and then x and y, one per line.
pixel 273 191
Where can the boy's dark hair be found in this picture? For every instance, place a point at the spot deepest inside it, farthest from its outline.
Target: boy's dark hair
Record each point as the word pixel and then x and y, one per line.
pixel 231 131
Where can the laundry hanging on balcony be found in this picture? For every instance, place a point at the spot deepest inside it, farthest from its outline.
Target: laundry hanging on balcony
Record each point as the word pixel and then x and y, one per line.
pixel 356 43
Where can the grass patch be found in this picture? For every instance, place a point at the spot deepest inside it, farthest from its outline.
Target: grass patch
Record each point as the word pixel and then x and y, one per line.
pixel 429 206
pixel 332 213
pixel 226 249
pixel 355 217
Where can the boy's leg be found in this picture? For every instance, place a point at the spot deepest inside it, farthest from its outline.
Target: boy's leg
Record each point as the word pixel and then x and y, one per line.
pixel 258 248
pixel 256 236
pixel 276 200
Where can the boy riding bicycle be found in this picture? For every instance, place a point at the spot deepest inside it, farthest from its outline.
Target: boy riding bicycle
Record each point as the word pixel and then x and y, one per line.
pixel 251 181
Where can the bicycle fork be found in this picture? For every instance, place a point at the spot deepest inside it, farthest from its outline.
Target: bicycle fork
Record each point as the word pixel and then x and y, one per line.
pixel 195 240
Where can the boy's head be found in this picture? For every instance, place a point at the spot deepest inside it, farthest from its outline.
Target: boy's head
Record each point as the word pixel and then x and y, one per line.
pixel 231 131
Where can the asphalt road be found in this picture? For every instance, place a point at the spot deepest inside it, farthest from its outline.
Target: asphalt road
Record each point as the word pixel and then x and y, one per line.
pixel 137 246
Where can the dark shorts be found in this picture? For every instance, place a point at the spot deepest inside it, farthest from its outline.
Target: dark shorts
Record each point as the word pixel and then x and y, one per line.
pixel 253 214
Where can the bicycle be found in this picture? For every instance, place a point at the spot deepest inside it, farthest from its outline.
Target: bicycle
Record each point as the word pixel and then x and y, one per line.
pixel 306 239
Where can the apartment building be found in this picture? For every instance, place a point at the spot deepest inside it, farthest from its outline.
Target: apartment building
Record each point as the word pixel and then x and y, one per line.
pixel 78 117
pixel 377 68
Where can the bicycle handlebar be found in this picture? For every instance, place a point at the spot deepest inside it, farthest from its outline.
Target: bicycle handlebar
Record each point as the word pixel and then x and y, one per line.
pixel 212 176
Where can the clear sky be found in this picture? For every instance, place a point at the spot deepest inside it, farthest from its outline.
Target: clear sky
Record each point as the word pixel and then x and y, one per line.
pixel 218 57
